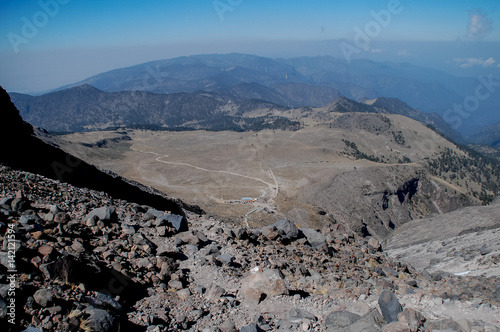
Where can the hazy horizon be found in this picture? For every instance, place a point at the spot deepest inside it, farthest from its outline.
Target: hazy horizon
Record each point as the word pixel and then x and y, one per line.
pixel 47 44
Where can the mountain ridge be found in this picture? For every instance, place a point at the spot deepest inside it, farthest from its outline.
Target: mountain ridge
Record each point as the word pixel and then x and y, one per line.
pixel 90 108
pixel 429 90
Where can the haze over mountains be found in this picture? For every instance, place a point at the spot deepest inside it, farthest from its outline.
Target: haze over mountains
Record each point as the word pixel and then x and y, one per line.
pixel 298 82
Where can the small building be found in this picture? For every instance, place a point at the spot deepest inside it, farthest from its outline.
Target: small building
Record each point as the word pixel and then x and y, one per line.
pixel 247 200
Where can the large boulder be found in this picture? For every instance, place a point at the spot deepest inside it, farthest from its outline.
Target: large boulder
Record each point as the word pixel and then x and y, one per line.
pixel 389 306
pixel 268 282
pixel 173 220
pixel 43 297
pixel 337 320
pixel 98 320
pixel 289 230
pixel 314 237
pixel 104 213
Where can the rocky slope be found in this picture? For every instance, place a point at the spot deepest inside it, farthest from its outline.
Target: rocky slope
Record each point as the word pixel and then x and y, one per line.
pixel 86 261
pixel 121 259
pixel 464 242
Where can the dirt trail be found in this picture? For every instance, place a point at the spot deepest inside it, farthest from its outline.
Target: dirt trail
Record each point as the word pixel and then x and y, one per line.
pixel 273 187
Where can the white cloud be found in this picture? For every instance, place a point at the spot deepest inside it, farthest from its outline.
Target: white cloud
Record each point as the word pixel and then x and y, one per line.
pixel 403 53
pixel 471 62
pixel 479 25
pixel 376 50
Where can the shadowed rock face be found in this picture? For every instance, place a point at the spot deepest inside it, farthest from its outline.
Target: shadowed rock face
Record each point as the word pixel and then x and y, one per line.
pixel 21 150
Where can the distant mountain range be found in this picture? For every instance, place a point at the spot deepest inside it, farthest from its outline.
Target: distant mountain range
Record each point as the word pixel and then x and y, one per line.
pixel 216 91
pixel 84 108
pixel 489 135
pixel 303 81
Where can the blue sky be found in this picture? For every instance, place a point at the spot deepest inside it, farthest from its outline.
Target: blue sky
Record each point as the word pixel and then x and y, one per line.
pixel 75 39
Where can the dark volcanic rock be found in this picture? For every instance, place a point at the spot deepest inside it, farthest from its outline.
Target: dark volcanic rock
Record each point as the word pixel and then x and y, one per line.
pixel 104 213
pixel 299 314
pixel 251 328
pixel 99 320
pixel 340 319
pixel 291 232
pixel 314 237
pixel 64 268
pixel 178 222
pixel 43 297
pixel 390 306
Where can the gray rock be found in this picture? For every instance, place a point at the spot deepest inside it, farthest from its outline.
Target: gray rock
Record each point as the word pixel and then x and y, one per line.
pixel 127 229
pixel 390 271
pixel 340 319
pixel 240 233
pixel 77 246
pixel 104 300
pixel 54 209
pixel 251 328
pixel 62 268
pixel 153 213
pixel 4 290
pixel 175 284
pixel 270 232
pixel 20 204
pixel 184 293
pixel 3 309
pixel 372 321
pixel 168 267
pixel 161 230
pixel 4 259
pixel 291 232
pixel 178 222
pixel 414 319
pixel 43 297
pixel 269 282
pixel 61 217
pixel 314 237
pixel 99 320
pixel 6 202
pixel 443 325
pixel 215 293
pixel 213 250
pixel 200 289
pixel 297 315
pixel 496 293
pixel 27 219
pixel 173 220
pixel 201 236
pixel 31 329
pixel 141 240
pixel 227 326
pixel 389 306
pixel 226 259
pixel 104 213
